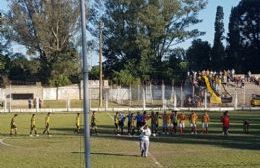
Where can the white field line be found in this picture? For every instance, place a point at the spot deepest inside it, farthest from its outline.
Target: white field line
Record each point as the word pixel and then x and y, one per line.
pixel 153 158
pixel 3 143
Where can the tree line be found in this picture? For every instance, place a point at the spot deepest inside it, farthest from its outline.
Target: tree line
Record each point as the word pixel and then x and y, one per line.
pixel 140 39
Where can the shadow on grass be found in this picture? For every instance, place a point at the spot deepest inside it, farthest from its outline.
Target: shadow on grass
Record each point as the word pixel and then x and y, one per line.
pixel 236 140
pixel 109 154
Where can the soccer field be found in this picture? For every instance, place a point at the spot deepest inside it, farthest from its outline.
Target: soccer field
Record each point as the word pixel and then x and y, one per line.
pixel 65 150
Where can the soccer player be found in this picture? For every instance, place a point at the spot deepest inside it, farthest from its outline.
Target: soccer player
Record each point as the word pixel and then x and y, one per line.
pixel 116 122
pixel 225 121
pixel 93 123
pixel 33 125
pixel 145 118
pixel 165 118
pixel 13 125
pixel 246 125
pixel 193 122
pixel 174 121
pixel 130 123
pixel 153 122
pixel 205 122
pixel 47 124
pixel 77 123
pixel 144 140
pixel 181 118
pixel 138 118
pixel 121 122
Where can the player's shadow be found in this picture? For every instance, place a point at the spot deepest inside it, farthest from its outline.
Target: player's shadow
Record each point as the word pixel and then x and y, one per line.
pixel 114 154
pixel 232 141
pixel 109 154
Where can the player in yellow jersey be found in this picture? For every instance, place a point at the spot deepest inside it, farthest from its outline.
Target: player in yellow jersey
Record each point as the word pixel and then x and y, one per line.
pixel 93 125
pixel 47 124
pixel 13 125
pixel 116 122
pixel 193 122
pixel 205 123
pixel 33 125
pixel 77 123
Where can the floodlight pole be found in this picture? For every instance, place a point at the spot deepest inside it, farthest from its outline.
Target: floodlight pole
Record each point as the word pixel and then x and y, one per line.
pixel 85 86
pixel 101 26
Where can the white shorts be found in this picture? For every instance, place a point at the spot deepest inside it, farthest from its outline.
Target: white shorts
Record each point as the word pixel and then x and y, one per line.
pixel 205 125
pixel 193 125
pixel 182 125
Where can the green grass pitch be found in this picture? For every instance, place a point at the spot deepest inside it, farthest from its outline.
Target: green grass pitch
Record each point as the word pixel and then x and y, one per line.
pixel 65 150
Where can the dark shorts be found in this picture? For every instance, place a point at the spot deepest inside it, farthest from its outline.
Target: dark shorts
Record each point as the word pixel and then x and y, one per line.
pixel 13 126
pixel 93 124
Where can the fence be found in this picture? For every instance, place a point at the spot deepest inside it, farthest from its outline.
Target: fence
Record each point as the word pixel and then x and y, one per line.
pixel 135 96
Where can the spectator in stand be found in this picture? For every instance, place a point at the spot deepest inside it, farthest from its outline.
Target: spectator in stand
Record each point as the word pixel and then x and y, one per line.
pixel 249 76
pixel 30 103
pixel 40 103
pixel 34 103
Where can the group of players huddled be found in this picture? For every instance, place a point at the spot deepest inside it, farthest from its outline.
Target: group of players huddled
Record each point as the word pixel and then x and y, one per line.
pixel 171 122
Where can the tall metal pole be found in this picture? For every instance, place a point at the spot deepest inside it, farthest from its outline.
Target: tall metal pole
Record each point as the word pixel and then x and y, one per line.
pixel 85 86
pixel 101 26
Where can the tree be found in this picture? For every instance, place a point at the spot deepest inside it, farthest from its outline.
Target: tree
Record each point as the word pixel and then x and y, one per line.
pixel 218 50
pixel 22 69
pixel 4 52
pixel 244 36
pixel 44 28
pixel 138 34
pixel 199 55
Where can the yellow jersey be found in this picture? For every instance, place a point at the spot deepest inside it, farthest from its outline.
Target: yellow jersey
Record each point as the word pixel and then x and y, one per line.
pixel 13 121
pixel 33 120
pixel 77 120
pixel 47 119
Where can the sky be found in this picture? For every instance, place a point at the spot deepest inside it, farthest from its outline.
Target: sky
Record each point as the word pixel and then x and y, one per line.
pixel 207 25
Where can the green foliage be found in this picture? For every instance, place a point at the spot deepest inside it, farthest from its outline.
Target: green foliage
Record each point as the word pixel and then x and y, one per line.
pixel 94 73
pixel 22 69
pixel 243 38
pixel 199 55
pixel 59 80
pixel 45 28
pixel 125 78
pixel 142 33
pixel 64 66
pixel 218 50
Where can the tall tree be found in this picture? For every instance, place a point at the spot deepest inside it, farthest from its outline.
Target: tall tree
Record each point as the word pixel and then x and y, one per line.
pixel 4 59
pixel 139 33
pixel 218 50
pixel 199 55
pixel 244 36
pixel 44 28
